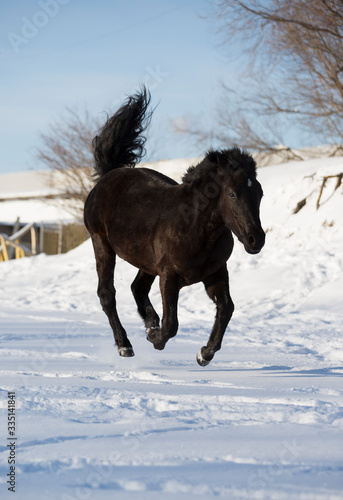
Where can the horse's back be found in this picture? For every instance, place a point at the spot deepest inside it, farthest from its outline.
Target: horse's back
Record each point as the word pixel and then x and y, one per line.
pixel 132 176
pixel 126 206
pixel 123 183
pixel 157 176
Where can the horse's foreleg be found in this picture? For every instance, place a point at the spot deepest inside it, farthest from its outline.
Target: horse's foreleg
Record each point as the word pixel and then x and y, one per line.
pixel 105 263
pixel 140 288
pixel 170 287
pixel 217 287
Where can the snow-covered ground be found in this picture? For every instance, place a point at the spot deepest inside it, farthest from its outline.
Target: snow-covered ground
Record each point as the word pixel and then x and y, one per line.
pixel 264 420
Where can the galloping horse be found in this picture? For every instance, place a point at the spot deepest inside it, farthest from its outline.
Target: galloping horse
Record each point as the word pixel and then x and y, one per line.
pixel 180 232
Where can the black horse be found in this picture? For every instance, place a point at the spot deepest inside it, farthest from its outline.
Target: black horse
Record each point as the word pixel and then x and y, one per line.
pixel 181 232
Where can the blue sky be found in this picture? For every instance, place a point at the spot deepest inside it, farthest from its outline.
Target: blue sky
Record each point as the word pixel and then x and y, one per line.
pixel 59 53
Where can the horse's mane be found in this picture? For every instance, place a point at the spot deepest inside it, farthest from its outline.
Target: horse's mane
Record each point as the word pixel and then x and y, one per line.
pixel 231 161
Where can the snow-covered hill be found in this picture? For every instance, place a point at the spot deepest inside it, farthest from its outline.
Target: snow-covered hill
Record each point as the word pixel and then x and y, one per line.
pixel 263 421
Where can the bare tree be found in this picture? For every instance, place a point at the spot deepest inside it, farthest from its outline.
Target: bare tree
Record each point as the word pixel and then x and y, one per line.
pixel 294 51
pixel 235 126
pixel 66 149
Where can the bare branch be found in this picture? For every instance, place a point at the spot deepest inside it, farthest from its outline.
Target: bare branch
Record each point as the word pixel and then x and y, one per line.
pixel 66 149
pixel 294 70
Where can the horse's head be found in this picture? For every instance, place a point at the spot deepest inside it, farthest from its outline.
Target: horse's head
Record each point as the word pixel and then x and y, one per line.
pixel 241 196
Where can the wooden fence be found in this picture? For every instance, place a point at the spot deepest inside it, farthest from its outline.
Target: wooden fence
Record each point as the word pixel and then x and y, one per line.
pixel 60 238
pixel 20 240
pixel 7 243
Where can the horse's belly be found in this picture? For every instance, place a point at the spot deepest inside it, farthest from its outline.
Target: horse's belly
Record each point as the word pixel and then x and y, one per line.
pixel 137 253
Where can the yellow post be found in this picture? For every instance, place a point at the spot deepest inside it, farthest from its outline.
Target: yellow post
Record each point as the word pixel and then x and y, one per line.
pixel 19 252
pixel 33 241
pixel 4 248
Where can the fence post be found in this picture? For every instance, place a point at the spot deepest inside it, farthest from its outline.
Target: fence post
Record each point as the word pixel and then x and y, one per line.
pixel 41 238
pixel 60 235
pixel 3 253
pixel 33 241
pixel 16 227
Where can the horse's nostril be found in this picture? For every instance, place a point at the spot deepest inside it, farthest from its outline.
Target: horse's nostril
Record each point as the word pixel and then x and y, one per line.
pixel 251 240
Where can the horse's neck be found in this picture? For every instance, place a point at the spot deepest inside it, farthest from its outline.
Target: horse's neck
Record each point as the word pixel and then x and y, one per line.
pixel 202 206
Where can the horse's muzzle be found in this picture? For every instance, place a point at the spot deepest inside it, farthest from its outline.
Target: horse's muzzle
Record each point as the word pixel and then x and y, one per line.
pixel 255 242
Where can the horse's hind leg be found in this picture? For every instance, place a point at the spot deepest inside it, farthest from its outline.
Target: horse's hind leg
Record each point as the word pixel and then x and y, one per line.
pixel 105 263
pixel 217 287
pixel 140 288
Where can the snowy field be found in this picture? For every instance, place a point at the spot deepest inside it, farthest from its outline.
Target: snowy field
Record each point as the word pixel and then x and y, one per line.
pixel 264 420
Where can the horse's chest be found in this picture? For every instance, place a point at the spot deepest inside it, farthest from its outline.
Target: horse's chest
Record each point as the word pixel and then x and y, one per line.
pixel 204 260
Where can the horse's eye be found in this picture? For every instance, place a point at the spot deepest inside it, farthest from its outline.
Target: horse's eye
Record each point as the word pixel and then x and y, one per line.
pixel 232 195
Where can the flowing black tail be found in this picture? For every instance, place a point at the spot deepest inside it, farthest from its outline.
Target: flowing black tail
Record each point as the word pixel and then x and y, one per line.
pixel 120 142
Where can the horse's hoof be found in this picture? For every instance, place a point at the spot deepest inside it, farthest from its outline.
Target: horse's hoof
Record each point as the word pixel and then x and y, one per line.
pixel 126 352
pixel 201 360
pixel 159 345
pixel 152 332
